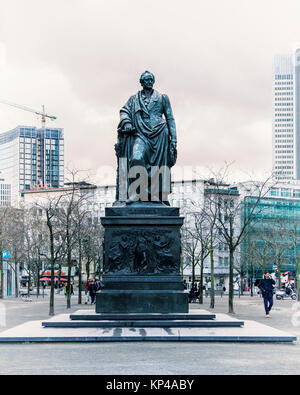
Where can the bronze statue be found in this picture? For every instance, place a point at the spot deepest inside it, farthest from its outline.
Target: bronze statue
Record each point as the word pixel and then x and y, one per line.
pixel 146 144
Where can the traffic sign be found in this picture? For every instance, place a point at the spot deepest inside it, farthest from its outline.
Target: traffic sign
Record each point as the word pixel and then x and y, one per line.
pixel 5 254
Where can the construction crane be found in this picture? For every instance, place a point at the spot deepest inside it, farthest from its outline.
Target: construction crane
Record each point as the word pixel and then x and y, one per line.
pixel 41 113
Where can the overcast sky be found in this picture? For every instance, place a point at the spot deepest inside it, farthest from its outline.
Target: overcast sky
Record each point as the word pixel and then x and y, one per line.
pixel 83 59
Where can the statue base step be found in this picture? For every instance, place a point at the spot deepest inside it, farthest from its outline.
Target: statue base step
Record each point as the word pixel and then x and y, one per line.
pixel 142 294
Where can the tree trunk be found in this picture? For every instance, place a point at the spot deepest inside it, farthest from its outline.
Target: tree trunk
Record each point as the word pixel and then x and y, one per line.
pixel 242 283
pixel 201 282
pixel 15 269
pixel 88 269
pixel 231 290
pixel 193 270
pixel 16 280
pixel 251 280
pixel 69 258
pixel 68 293
pixel 59 275
pixel 38 277
pixel 212 280
pixel 51 306
pixel 279 276
pixel 28 284
pixel 79 274
pixel 51 302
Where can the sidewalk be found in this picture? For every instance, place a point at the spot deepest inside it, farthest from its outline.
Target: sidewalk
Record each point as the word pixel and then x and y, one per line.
pixel 252 308
pixel 17 311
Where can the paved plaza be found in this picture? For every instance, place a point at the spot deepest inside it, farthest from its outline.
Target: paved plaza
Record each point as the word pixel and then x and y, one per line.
pixel 153 357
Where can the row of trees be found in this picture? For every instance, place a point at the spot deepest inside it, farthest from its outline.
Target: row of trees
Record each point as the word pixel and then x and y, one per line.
pixel 223 217
pixel 54 229
pixel 51 232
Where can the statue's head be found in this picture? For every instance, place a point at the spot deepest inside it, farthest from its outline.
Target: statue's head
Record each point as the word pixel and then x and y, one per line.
pixel 147 80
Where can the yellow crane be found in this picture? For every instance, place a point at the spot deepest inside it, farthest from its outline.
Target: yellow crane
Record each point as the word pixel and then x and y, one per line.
pixel 42 113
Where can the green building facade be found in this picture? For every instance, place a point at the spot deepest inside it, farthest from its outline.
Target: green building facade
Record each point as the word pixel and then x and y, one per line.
pixel 272 241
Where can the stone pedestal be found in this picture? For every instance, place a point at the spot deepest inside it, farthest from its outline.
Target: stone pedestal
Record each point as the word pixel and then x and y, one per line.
pixel 142 261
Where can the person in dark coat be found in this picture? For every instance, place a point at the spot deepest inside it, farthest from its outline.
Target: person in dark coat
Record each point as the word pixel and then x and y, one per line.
pixel 69 289
pixel 193 293
pixel 92 291
pixel 266 287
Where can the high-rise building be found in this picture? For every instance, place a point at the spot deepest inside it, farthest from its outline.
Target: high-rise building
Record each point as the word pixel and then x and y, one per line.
pixel 30 156
pixel 286 161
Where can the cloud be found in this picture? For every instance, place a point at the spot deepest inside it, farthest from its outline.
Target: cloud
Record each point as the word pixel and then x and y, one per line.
pixel 83 61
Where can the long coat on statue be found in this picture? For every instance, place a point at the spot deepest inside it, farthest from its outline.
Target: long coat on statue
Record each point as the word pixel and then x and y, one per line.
pixel 149 144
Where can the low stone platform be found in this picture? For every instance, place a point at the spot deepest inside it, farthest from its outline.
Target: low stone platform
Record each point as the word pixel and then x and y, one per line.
pixel 83 315
pixel 223 329
pixel 142 324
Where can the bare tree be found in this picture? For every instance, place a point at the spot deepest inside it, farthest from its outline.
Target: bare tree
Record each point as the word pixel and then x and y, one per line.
pixel 84 232
pixel 51 241
pixel 203 235
pixel 239 209
pixel 190 248
pixel 72 214
pixel 211 213
pixel 35 243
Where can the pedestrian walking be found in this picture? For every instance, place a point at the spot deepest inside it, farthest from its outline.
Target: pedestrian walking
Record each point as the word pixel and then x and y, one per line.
pixel 69 289
pixel 206 290
pixel 223 289
pixel 266 287
pixel 92 291
pixel 193 294
pixel 87 292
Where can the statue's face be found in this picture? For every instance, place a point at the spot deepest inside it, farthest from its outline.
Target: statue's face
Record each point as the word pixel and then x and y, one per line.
pixel 148 82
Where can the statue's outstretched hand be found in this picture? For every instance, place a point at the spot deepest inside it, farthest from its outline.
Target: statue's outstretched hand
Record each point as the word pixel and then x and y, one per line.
pixel 128 129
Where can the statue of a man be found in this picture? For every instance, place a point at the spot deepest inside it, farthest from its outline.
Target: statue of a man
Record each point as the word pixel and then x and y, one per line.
pixel 146 145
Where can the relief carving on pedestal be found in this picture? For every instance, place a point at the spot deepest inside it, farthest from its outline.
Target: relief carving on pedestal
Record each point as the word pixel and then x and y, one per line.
pixel 145 252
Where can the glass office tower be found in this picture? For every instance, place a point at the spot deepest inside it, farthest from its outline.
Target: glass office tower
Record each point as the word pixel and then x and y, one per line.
pixel 30 156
